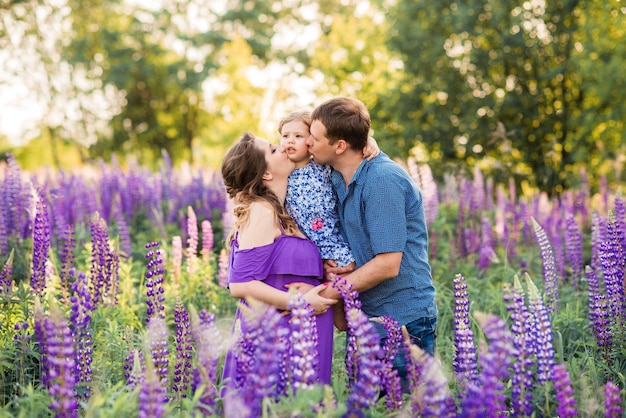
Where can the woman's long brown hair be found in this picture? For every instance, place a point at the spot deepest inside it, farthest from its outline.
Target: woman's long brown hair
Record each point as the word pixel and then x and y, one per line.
pixel 242 169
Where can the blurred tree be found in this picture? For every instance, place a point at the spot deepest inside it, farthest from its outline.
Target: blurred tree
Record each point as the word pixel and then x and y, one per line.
pixel 499 83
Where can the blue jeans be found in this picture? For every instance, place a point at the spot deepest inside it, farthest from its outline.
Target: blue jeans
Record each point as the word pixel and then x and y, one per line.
pixel 423 333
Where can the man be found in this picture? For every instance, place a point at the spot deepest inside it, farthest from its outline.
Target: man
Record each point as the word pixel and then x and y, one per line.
pixel 381 215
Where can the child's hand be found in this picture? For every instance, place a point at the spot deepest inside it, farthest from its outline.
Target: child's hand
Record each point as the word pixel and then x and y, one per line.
pixel 371 149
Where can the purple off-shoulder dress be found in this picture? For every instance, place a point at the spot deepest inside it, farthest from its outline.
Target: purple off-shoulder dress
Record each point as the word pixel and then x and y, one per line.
pixel 288 259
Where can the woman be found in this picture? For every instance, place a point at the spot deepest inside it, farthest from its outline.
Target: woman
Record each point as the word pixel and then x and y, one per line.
pixel 267 251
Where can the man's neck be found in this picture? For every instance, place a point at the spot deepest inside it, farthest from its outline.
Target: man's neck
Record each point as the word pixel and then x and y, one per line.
pixel 347 165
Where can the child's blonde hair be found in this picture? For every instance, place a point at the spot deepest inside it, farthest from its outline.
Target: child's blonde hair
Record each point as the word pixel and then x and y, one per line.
pixel 302 116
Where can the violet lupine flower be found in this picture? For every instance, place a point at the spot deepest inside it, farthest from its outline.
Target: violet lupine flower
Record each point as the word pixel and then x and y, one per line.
pixel 154 283
pixel 177 258
pixel 486 256
pixel 104 264
pixel 542 333
pixel 564 393
pixel 4 234
pixel 433 397
pixel 486 397
pixel 222 263
pixel 598 235
pixel 11 196
pixel 261 355
pixel 465 362
pixel 522 328
pixel 574 249
pixel 620 219
pixel 192 240
pixel 612 401
pixel 304 363
pixel 157 341
pixel 365 339
pixel 350 301
pixel 549 268
pixel 60 364
pixel 152 395
pixel 81 331
pixel 594 296
pixel 135 368
pixel 124 234
pixel 67 260
pixel 390 382
pixel 41 247
pixel 184 350
pixel 6 274
pixel 207 241
pixel 207 338
pixel 612 262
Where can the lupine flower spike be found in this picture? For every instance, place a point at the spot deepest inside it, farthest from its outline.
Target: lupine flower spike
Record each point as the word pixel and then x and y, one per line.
pixel 304 353
pixel 549 267
pixel 41 246
pixel 564 393
pixel 542 333
pixel 5 276
pixel 389 378
pixel 208 348
pixel 465 364
pixel 184 350
pixel 612 401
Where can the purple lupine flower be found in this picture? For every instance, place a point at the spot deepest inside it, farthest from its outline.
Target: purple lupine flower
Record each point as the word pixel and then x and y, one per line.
pixel 41 246
pixel 620 220
pixel 574 249
pixel 390 382
pixel 135 368
pixel 422 176
pixel 222 263
pixel 152 395
pixel 81 332
pixel 104 264
pixel 522 328
pixel 261 356
pixel 433 398
pixel 154 283
pixel 4 233
pixel 67 260
pixel 564 392
pixel 207 338
pixel 477 202
pixel 485 397
pixel 157 340
pixel 6 274
pixel 486 256
pixel 184 350
pixel 465 362
pixel 177 258
pixel 124 234
pixel 612 262
pixel 207 241
pixel 192 240
pixel 11 196
pixel 350 301
pixel 304 355
pixel 542 332
pixel 598 235
pixel 548 265
pixel 60 365
pixel 366 346
pixel 612 401
pixel 595 304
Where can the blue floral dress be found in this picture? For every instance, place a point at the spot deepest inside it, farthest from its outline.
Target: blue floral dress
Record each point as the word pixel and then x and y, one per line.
pixel 311 202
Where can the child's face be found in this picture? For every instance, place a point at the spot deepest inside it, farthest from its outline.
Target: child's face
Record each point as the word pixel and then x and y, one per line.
pixel 293 138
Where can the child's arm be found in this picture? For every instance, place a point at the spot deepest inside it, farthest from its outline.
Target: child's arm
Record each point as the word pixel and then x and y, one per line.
pixel 371 149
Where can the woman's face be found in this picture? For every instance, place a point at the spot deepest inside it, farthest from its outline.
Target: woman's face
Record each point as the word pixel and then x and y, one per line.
pixel 278 163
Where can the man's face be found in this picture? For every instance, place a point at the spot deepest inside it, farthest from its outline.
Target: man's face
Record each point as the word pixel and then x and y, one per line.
pixel 319 147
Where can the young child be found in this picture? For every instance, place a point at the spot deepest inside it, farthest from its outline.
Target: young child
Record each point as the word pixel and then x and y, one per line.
pixel 310 198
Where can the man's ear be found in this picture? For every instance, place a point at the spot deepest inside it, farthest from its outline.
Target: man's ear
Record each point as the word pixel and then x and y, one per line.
pixel 267 176
pixel 341 147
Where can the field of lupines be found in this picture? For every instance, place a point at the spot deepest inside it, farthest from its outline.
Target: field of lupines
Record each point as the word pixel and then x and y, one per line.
pixel 113 304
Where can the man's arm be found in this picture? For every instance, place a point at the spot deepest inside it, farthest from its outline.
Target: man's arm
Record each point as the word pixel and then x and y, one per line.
pixel 382 267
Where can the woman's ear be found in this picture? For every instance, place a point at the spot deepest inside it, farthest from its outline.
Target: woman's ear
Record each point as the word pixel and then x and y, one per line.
pixel 267 176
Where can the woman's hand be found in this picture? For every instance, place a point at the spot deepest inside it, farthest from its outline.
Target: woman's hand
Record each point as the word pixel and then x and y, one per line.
pixel 300 287
pixel 319 303
pixel 371 149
